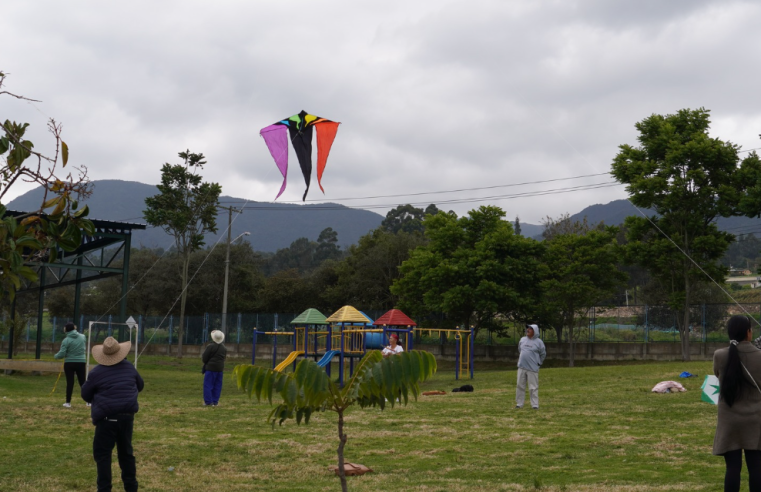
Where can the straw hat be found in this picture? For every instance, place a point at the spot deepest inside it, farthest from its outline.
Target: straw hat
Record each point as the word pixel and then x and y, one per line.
pixel 217 336
pixel 111 352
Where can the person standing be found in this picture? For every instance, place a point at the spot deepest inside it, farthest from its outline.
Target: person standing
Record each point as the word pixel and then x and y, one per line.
pixel 738 426
pixel 532 354
pixel 112 388
pixel 74 362
pixel 214 362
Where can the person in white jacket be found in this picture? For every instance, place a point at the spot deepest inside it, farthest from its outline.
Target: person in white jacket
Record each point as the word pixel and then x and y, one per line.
pixel 532 354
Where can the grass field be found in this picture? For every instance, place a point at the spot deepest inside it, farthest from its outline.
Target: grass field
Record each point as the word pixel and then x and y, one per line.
pixel 598 428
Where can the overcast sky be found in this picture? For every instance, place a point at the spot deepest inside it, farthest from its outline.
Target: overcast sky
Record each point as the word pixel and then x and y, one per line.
pixel 432 95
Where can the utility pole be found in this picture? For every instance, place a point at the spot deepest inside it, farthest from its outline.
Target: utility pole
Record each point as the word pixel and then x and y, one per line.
pixel 227 262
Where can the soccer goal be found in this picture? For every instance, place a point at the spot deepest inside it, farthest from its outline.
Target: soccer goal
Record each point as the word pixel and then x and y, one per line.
pixel 131 324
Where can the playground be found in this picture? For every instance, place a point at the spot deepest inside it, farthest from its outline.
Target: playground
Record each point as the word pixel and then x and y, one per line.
pixel 599 428
pixel 348 334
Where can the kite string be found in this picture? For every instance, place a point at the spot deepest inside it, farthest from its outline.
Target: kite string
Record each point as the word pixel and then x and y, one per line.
pixel 695 263
pixel 190 281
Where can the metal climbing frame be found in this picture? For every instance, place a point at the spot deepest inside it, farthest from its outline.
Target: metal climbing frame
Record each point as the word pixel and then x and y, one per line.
pixel 90 261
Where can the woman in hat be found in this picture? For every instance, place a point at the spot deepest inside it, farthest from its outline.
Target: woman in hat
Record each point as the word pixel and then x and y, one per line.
pixel 393 346
pixel 738 427
pixel 74 362
pixel 214 364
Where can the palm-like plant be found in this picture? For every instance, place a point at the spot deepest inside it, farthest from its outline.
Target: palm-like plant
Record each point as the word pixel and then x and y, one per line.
pixel 309 389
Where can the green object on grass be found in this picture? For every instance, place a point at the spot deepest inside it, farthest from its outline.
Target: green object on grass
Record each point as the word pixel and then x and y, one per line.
pixel 710 389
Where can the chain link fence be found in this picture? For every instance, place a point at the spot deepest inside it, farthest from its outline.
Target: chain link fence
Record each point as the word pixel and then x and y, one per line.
pixel 621 324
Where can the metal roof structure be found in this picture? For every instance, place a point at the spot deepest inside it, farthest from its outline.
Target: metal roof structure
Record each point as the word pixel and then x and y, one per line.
pixel 90 261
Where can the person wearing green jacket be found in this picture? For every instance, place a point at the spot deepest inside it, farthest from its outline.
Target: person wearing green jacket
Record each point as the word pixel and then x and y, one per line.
pixel 73 354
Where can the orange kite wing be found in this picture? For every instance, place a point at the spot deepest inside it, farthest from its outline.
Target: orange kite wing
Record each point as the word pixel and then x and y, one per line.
pixel 326 133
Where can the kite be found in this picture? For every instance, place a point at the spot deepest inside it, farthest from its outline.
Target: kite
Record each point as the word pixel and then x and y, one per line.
pixel 299 128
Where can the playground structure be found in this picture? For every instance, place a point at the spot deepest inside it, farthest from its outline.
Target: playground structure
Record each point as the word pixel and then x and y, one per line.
pixel 349 333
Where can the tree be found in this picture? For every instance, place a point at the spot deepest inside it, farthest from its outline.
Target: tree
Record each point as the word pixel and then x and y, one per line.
pixel 689 179
pixel 186 208
pixel 564 225
pixel 517 226
pixel 371 266
pixel 582 270
pixel 309 389
pixel 406 218
pixel 473 269
pixel 34 236
pixel 286 292
pixel 327 246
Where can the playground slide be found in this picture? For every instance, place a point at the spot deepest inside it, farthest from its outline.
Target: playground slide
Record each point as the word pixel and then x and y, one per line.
pixel 288 360
pixel 328 357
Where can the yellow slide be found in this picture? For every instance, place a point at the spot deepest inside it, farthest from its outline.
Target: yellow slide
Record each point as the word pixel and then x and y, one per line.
pixel 291 357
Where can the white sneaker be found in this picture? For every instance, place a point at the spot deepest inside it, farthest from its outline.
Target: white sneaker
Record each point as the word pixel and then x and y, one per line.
pixel 88 404
pixel 67 405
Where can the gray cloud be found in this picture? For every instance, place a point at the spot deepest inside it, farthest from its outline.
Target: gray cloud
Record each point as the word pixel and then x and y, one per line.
pixel 432 95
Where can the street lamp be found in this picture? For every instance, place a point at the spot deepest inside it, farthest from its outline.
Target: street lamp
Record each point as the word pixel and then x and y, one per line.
pixel 227 275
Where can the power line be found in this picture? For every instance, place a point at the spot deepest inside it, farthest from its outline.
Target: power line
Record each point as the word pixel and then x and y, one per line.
pixel 441 191
pixel 555 191
pixel 272 206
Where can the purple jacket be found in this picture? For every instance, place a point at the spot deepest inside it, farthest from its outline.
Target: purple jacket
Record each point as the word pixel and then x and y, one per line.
pixel 112 390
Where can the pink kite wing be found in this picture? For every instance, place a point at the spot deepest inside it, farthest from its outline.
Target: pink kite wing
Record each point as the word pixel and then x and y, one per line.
pixel 276 138
pixel 326 133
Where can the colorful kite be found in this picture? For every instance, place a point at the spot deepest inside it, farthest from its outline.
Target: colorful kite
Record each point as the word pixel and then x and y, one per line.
pixel 299 128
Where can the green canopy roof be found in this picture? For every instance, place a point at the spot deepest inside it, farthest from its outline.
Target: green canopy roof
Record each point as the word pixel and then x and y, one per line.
pixel 310 317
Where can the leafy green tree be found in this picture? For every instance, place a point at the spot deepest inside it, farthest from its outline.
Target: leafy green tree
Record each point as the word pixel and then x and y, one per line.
pixel 327 246
pixel 376 381
pixel 36 236
pixel 406 218
pixel 298 256
pixel 371 266
pixel 286 292
pixel 186 208
pixel 517 226
pixel 564 225
pixel 689 179
pixel 474 269
pixel 582 270
pixel 207 288
pixel 743 253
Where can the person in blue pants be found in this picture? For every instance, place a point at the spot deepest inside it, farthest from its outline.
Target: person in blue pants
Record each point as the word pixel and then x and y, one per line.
pixel 214 364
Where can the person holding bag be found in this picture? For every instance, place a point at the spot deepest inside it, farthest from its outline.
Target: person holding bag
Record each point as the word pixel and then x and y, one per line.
pixel 213 366
pixel 738 427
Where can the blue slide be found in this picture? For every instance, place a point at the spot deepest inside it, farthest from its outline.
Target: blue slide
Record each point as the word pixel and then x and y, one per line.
pixel 328 357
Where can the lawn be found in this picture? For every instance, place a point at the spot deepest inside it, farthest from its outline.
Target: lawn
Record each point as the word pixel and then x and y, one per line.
pixel 598 428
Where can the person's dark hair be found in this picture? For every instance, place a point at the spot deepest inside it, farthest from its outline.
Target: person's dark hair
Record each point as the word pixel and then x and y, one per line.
pixel 69 327
pixel 733 380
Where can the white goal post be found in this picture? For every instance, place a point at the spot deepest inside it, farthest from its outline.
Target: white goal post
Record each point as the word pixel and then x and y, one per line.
pixel 130 325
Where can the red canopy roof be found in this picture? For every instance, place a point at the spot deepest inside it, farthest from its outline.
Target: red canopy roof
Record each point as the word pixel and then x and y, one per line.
pixel 395 318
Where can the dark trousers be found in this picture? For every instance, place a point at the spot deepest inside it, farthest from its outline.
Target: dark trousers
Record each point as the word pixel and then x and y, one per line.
pixel 734 460
pixel 116 430
pixel 71 368
pixel 212 387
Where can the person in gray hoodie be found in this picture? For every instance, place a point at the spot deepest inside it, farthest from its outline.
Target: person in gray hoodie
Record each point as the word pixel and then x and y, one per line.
pixel 532 354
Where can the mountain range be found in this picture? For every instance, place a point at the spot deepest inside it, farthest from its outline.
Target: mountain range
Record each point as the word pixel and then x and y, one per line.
pixel 276 225
pixel 272 225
